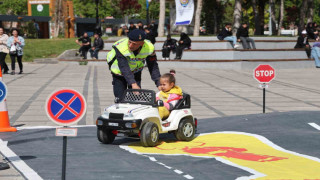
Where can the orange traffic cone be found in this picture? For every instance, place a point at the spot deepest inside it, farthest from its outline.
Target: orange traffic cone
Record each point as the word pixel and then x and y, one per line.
pixel 4 115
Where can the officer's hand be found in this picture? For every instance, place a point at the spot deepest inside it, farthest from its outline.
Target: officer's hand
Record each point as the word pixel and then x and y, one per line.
pixel 135 86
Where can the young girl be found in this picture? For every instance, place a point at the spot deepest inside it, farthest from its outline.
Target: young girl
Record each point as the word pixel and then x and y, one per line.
pixel 170 94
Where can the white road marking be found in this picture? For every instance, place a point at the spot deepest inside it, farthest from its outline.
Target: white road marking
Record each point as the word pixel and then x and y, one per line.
pixel 315 125
pixel 178 171
pixel 51 127
pixel 164 165
pixel 153 159
pixel 188 176
pixel 20 165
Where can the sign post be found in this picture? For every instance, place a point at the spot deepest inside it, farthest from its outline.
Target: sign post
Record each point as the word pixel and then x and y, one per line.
pixel 65 107
pixel 264 74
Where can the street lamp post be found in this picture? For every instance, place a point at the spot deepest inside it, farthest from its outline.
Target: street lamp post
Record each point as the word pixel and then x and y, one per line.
pixel 147 2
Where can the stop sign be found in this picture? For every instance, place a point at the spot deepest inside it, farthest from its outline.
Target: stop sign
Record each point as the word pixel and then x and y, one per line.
pixel 264 73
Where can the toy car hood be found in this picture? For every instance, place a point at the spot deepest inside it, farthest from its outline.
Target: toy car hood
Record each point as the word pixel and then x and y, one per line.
pixel 126 108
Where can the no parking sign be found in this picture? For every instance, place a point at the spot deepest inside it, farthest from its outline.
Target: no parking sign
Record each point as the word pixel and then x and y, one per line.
pixel 65 107
pixel 3 91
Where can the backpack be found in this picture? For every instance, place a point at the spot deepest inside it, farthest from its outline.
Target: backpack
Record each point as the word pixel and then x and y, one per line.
pixel 220 37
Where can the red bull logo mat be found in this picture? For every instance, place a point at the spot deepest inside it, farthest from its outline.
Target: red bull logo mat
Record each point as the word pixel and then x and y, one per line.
pixel 250 152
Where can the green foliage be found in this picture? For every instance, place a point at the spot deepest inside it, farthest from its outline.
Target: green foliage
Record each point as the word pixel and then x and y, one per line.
pixel 215 13
pixel 154 9
pixel 14 7
pixel 87 8
pixel 30 30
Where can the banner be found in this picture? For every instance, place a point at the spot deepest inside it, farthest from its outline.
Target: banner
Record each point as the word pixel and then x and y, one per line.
pixel 184 12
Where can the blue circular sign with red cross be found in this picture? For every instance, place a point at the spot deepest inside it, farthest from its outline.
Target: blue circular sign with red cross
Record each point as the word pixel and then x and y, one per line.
pixel 66 107
pixel 3 91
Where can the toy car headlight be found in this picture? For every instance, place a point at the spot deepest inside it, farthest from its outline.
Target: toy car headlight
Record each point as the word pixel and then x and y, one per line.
pixel 105 115
pixel 128 115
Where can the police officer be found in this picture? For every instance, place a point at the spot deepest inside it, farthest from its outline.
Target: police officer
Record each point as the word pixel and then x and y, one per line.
pixel 126 62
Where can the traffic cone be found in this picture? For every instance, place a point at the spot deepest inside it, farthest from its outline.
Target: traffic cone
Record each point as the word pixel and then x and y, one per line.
pixel 4 115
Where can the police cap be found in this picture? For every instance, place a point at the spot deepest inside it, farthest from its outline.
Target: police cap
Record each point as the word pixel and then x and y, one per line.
pixel 137 35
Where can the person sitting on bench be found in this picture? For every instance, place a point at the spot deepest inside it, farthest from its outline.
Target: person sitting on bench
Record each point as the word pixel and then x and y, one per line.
pixel 243 36
pixel 169 45
pixel 184 42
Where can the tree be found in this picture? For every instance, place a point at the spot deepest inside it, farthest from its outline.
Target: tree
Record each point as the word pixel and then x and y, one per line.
pixel 129 7
pixel 310 11
pixel 58 18
pixel 213 14
pixel 162 16
pixel 86 8
pixel 237 15
pixel 281 16
pixel 197 18
pixel 14 7
pixel 256 18
pixel 273 16
pixel 303 9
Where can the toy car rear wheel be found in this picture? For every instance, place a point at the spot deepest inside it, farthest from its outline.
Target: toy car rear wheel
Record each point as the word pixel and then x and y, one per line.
pixel 149 135
pixel 186 130
pixel 105 135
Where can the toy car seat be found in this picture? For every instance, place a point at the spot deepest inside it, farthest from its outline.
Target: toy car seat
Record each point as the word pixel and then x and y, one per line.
pixel 183 103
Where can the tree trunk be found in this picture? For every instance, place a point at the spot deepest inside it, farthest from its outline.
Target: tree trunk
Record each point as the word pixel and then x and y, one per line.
pixel 262 4
pixel 237 15
pixel 197 19
pixel 256 18
pixel 281 17
pixel 162 16
pixel 57 18
pixel 273 16
pixel 310 10
pixel 215 30
pixel 303 9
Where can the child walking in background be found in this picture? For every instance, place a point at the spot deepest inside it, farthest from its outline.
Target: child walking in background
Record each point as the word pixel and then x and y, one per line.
pixel 170 94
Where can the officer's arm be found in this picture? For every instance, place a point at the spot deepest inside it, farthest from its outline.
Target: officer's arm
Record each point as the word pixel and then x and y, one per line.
pixel 154 68
pixel 124 68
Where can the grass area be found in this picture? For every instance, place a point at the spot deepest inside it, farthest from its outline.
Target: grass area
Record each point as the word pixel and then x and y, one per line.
pixel 46 48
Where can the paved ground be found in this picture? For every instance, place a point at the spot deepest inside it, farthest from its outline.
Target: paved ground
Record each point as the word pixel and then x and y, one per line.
pixel 249 146
pixel 215 94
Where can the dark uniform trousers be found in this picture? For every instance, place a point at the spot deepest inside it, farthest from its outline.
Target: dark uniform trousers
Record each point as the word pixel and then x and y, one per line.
pixel 120 84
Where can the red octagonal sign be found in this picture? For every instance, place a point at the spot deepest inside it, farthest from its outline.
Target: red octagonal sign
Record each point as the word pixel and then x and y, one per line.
pixel 264 73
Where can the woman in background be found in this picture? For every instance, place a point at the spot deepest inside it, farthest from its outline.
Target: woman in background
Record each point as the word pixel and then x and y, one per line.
pixel 3 51
pixel 16 42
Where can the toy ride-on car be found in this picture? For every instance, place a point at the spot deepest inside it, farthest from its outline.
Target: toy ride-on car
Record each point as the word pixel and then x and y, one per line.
pixel 136 114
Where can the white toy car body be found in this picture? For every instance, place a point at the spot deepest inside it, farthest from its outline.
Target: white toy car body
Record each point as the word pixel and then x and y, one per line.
pixel 137 114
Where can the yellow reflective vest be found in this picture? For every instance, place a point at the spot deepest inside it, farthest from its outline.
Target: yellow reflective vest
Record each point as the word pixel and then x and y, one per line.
pixel 136 63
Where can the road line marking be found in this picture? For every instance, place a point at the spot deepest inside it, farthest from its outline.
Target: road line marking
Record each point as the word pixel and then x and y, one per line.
pixel 164 165
pixel 51 127
pixel 315 125
pixel 20 165
pixel 188 176
pixel 178 171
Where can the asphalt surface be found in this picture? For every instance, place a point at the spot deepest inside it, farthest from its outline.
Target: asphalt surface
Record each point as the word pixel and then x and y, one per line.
pixel 88 159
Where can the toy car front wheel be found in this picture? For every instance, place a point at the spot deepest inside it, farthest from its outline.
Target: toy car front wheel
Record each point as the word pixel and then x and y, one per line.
pixel 105 136
pixel 149 135
pixel 186 130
